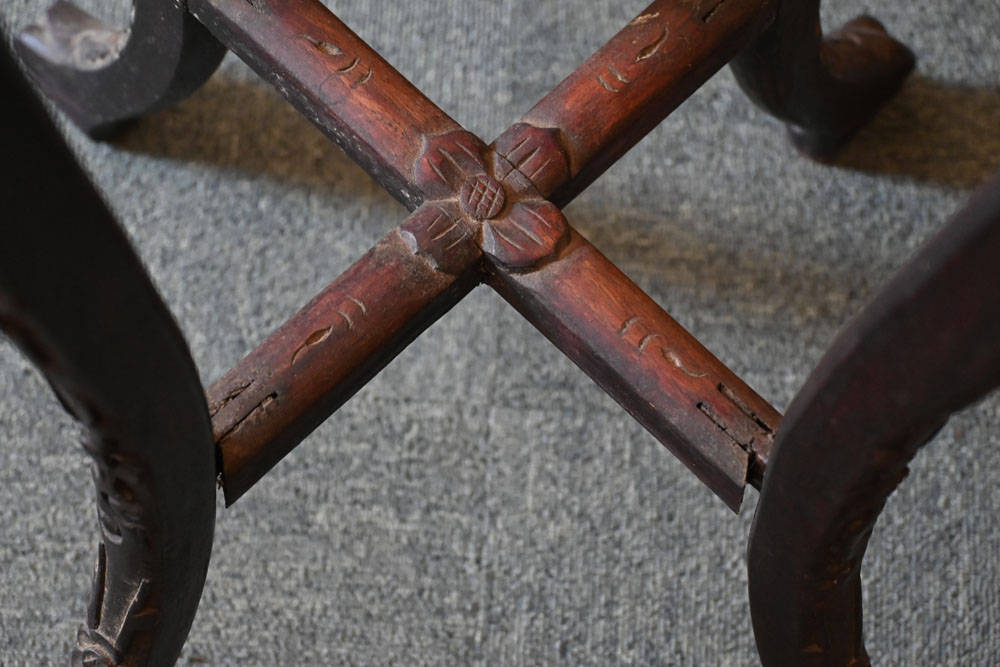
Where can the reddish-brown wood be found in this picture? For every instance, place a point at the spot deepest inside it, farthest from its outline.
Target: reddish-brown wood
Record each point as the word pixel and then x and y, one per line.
pixel 336 80
pixel 492 199
pixel 285 388
pixel 657 371
pixel 634 81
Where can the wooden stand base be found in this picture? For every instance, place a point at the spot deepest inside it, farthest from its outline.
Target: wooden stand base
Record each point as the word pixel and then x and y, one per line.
pixel 485 213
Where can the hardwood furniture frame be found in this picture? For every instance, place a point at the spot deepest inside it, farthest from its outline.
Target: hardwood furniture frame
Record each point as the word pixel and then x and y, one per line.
pixel 480 213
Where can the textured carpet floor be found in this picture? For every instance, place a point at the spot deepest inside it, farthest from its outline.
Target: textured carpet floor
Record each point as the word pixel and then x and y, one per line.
pixel 482 502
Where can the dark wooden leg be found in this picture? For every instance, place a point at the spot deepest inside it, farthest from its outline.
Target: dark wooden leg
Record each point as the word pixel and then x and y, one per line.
pixel 75 298
pixel 824 86
pixel 101 75
pixel 924 348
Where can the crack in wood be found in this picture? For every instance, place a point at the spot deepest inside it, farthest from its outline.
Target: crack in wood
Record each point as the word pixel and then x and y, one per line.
pixel 230 397
pixel 96 607
pixel 709 411
pixel 708 11
pixel 250 416
pixel 744 408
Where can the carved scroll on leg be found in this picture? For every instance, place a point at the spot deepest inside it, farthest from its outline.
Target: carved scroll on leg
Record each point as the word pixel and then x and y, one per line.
pixel 924 348
pixel 75 298
pixel 824 87
pixel 100 75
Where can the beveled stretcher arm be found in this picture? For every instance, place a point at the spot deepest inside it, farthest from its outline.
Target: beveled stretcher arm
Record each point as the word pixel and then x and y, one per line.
pixel 658 372
pixel 336 81
pixel 324 354
pixel 635 80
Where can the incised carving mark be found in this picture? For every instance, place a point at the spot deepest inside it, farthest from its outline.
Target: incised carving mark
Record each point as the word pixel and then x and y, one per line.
pixel 344 64
pixel 483 197
pixel 650 50
pixel 536 153
pixel 343 310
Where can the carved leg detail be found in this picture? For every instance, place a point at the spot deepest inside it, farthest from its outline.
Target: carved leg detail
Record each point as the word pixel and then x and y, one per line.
pixel 924 348
pixel 824 87
pixel 100 75
pixel 77 301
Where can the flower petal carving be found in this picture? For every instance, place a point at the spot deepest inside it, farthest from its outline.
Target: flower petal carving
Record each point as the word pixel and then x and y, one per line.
pixel 447 161
pixel 537 153
pixel 440 233
pixel 532 233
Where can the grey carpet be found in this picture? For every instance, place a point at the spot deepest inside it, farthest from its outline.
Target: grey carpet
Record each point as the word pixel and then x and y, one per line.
pixel 481 502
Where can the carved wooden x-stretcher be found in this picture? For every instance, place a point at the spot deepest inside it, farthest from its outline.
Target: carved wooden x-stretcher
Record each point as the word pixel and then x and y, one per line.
pixel 480 213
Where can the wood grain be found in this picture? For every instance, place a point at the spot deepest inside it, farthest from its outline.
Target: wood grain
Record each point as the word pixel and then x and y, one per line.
pixel 336 81
pixel 658 372
pixel 635 80
pixel 312 364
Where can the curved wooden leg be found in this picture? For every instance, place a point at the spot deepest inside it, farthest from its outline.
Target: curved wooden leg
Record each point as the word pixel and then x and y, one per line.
pixel 100 75
pixel 824 87
pixel 75 298
pixel 924 348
